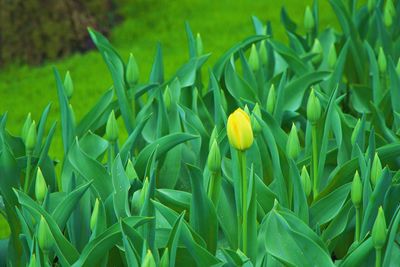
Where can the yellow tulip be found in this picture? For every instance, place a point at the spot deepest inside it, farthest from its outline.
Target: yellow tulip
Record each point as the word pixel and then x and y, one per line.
pixel 240 133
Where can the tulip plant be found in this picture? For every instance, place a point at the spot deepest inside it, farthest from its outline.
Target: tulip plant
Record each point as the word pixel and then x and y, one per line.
pixel 279 155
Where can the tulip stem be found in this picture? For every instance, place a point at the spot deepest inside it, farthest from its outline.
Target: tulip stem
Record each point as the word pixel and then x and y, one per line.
pixel 28 171
pixel 378 257
pixel 358 224
pixel 314 159
pixel 214 187
pixel 242 162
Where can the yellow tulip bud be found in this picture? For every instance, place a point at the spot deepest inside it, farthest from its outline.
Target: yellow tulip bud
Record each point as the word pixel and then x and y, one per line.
pixel 239 131
pixel 293 144
pixel 214 158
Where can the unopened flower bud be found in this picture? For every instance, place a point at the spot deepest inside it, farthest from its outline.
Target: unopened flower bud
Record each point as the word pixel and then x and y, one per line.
pixel 132 71
pixel 130 171
pixel 112 128
pixel 317 50
pixel 387 17
pixel 309 22
pixel 305 181
pixel 263 54
pixel 95 215
pixel 254 62
pixel 167 97
pixel 31 137
pixel 68 85
pixel 376 170
pixel 379 231
pixel 199 45
pixel 164 261
pixel 254 122
pixel 371 5
pixel 214 158
pixel 239 131
pixel 40 186
pixel 271 99
pixel 382 63
pixel 44 236
pixel 25 127
pixel 313 108
pixel 32 261
pixel 293 144
pixel 332 57
pixel 149 260
pixel 214 136
pixel 355 132
pixel 356 190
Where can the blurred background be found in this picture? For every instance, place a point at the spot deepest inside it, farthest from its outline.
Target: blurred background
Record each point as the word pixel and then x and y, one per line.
pixel 36 35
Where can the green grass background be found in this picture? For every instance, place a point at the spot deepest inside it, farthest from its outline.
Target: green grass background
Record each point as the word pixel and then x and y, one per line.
pixel 221 24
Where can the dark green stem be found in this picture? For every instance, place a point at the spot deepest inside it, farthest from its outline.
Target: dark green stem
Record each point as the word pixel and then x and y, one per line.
pixel 378 257
pixel 314 159
pixel 358 224
pixel 242 162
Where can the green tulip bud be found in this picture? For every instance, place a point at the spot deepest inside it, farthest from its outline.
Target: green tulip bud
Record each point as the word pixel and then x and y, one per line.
pixel 199 45
pixel 355 132
pixel 318 51
pixel 214 136
pixel 371 5
pixel 305 181
pixel 309 22
pixel 254 122
pixel 68 85
pixel 332 57
pixel 390 7
pixel 132 71
pixel 130 171
pixel 40 186
pixel 382 64
pixel 73 118
pixel 149 260
pixel 164 262
pixel 44 236
pixel 25 127
pixel 112 128
pixel 31 137
pixel 398 67
pixel 139 197
pixel 313 108
pixel 32 261
pixel 263 54
pixel 167 97
pixel 387 18
pixel 379 231
pixel 246 109
pixel 254 62
pixel 214 158
pixel 356 190
pixel 293 144
pixel 271 99
pixel 376 170
pixel 95 215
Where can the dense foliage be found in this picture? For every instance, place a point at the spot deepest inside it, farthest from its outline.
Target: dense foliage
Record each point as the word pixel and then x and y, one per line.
pixel 32 31
pixel 306 173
